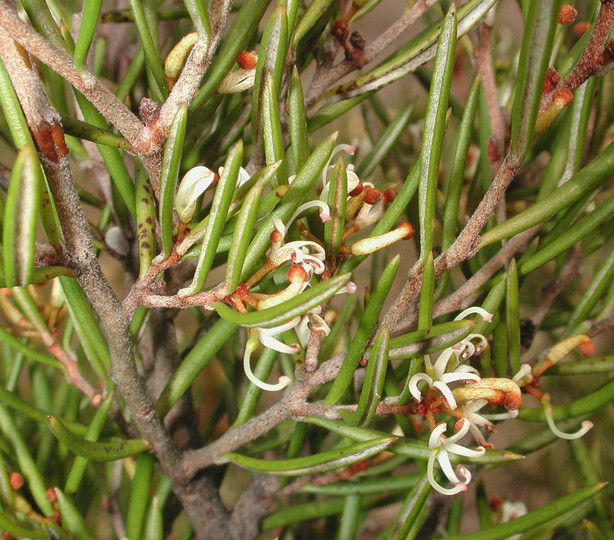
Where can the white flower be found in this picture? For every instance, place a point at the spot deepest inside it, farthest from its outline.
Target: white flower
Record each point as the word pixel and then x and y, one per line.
pixel 442 374
pixel 442 447
pixel 587 425
pixel 192 185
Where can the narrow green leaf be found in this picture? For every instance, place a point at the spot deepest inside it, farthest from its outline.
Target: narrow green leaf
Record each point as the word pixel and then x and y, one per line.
pixel 308 299
pixel 297 121
pixel 603 364
pixel 316 463
pixel 95 134
pixel 371 393
pixel 410 510
pixel 402 482
pixel 274 150
pixel 20 218
pixel 171 162
pixel 72 520
pixel 145 220
pixel 310 18
pixel 195 361
pixel 200 18
pixel 87 327
pixel 540 20
pixel 362 336
pixel 89 24
pixel 532 520
pixel 6 524
pixel 583 182
pixel 337 201
pixel 242 235
pixel 427 300
pixel 434 130
pixel 512 316
pixel 139 495
pixel 217 218
pixel 73 480
pixel 150 47
pixel 350 518
pixel 603 212
pixel 602 278
pixel 27 466
pixel 453 330
pixel 95 451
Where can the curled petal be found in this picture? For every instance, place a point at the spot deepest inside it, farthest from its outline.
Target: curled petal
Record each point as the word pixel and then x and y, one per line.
pixel 273 343
pixel 464 473
pixel 430 471
pixel 474 309
pixel 446 392
pixel 466 452
pixel 283 380
pixel 524 375
pixel 412 385
pixel 192 185
pixel 444 462
pixel 463 428
pixel 586 425
pixel 436 435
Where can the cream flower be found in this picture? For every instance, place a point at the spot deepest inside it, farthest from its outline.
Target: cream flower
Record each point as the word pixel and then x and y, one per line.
pixel 441 448
pixel 192 186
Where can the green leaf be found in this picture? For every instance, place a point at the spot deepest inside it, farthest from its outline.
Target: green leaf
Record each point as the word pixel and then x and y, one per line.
pixel 316 463
pixel 297 121
pixel 551 512
pixel 242 235
pixel 145 220
pixel 171 162
pixel 193 363
pixel 95 451
pixel 434 130
pixel 371 393
pixel 362 336
pixel 20 218
pixel 337 202
pixel 540 20
pixel 217 218
pixel 139 495
pixel 583 182
pixel 89 24
pixel 72 520
pixel 308 299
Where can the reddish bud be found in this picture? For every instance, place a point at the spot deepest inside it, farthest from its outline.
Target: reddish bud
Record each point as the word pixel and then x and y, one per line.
pixel 586 348
pixel 371 195
pixel 552 79
pixel 276 236
pixel 16 481
pixel 580 28
pixel 389 195
pixel 51 495
pixel 247 60
pixel 363 362
pixel 567 14
pixel 297 274
pixel 340 30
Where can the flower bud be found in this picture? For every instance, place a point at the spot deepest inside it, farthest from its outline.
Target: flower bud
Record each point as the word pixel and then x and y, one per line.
pixel 192 186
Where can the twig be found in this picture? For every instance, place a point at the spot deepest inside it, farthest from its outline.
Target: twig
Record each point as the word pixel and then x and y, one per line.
pixel 326 76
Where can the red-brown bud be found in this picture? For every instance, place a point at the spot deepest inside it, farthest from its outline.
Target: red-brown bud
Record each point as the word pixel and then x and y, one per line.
pixel 16 481
pixel 580 28
pixel 586 347
pixel 297 274
pixel 567 14
pixel 389 195
pixel 276 236
pixel 371 195
pixel 247 60
pixel 51 495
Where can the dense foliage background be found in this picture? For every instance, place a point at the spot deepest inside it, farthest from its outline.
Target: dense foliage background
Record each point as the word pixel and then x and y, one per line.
pixel 224 319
